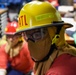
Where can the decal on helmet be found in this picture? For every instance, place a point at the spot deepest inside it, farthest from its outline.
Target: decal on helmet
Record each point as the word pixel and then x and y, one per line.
pixel 22 21
pixel 44 16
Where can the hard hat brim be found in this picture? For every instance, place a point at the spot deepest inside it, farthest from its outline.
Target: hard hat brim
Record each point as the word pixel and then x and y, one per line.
pixel 9 33
pixel 66 25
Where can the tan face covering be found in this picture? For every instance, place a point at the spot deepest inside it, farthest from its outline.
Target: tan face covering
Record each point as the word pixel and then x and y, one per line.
pixel 40 48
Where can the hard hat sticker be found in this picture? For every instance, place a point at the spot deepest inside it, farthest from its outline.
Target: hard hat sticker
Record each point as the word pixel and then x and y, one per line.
pixel 22 21
pixel 44 16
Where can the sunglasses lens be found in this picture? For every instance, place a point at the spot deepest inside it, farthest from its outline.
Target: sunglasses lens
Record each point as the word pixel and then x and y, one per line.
pixel 35 34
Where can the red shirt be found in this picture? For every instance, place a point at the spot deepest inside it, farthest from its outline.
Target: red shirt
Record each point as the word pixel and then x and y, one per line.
pixel 22 62
pixel 65 64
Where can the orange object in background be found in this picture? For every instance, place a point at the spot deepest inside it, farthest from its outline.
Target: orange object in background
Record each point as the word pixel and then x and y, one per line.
pixel 69 39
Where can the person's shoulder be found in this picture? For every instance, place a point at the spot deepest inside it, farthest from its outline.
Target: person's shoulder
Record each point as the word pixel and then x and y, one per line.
pixel 61 63
pixel 2 47
pixel 70 49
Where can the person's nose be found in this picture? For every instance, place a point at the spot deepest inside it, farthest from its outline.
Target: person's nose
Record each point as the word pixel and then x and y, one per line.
pixel 10 39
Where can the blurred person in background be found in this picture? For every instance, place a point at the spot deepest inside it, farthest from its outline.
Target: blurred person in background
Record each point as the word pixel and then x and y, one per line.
pixel 72 14
pixel 14 55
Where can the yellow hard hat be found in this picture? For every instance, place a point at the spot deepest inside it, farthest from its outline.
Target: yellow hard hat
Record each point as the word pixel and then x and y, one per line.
pixel 36 14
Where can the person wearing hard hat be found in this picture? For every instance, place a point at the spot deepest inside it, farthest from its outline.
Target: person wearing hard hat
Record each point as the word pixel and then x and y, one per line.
pixel 14 56
pixel 41 23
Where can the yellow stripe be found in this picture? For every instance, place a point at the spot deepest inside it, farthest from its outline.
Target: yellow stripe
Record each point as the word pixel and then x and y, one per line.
pixel 44 16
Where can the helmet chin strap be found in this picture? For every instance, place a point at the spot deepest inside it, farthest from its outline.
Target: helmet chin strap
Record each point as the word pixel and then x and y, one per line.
pixel 56 37
pixel 53 46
